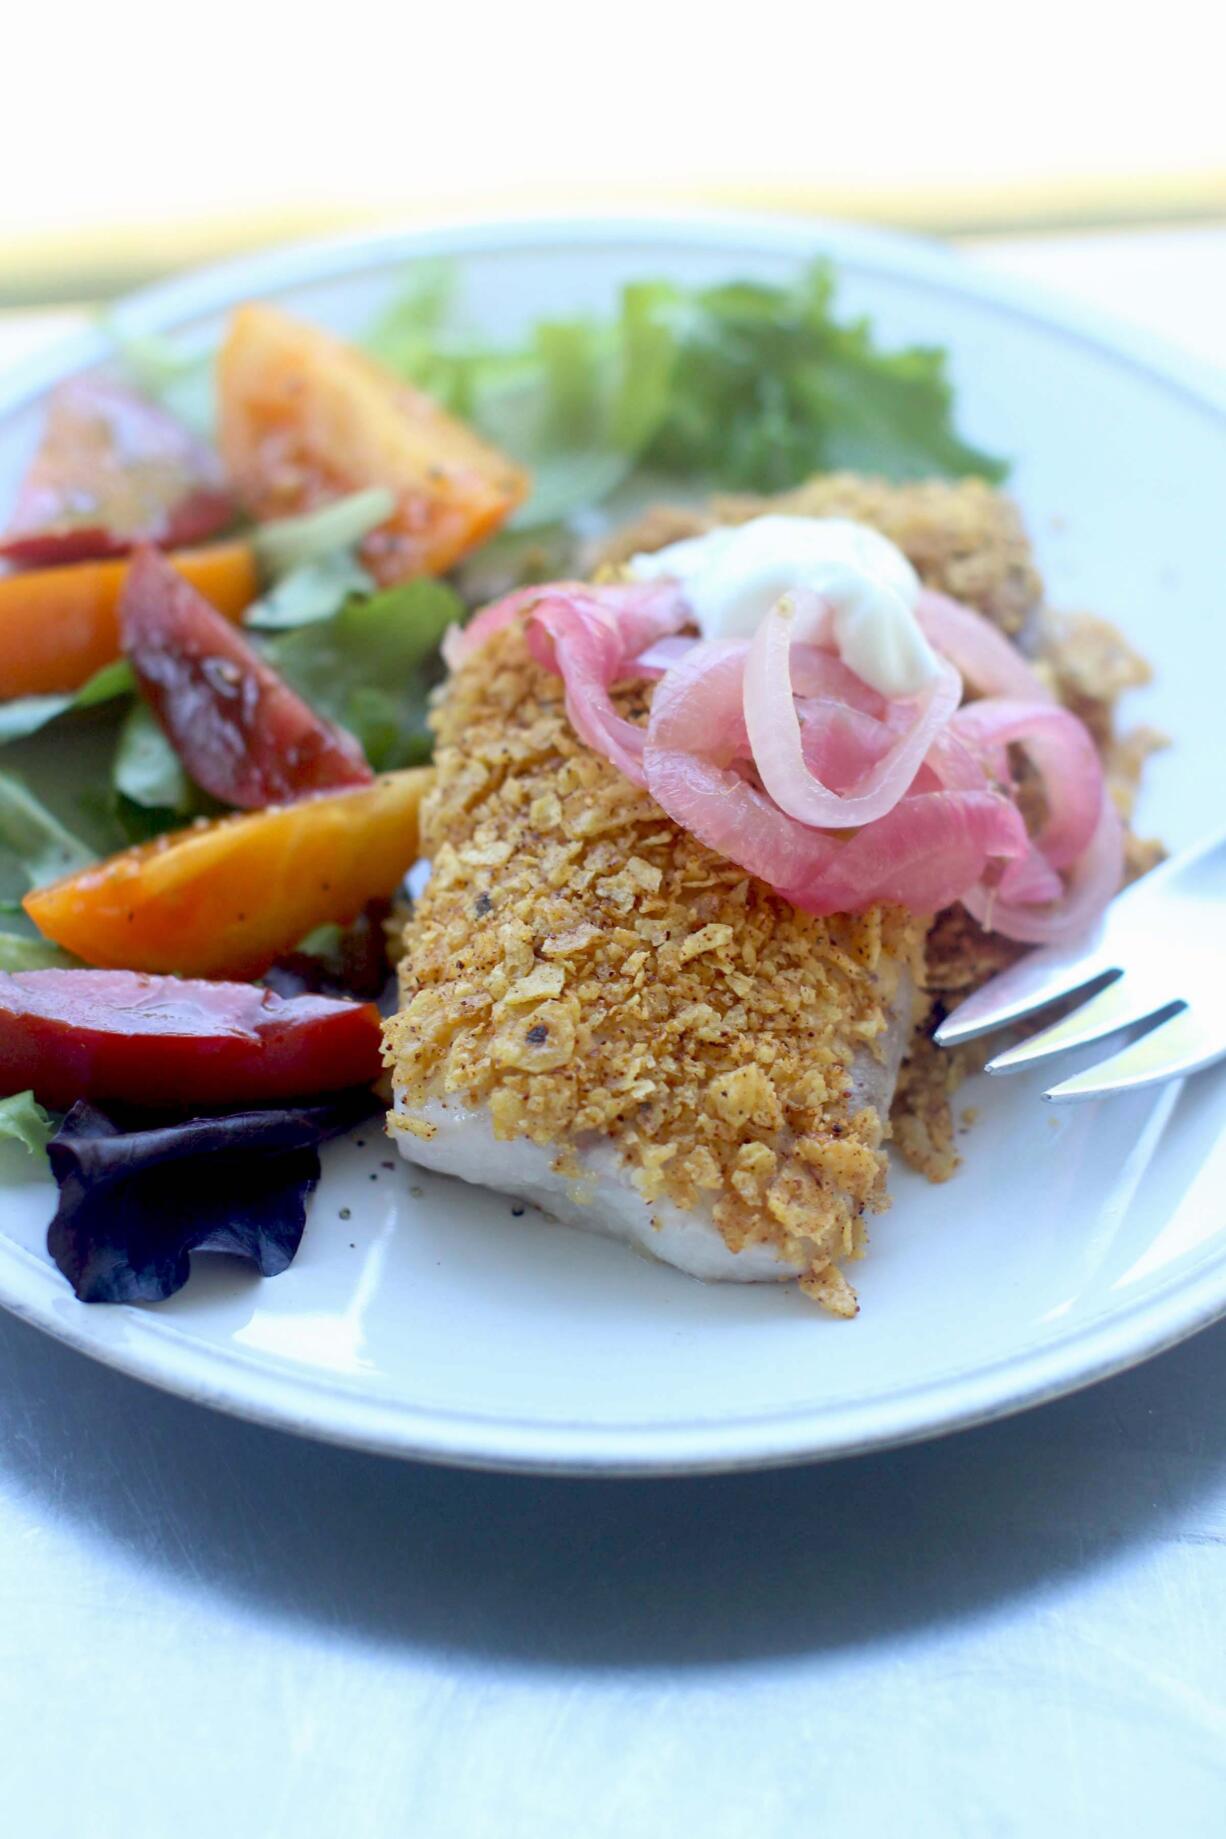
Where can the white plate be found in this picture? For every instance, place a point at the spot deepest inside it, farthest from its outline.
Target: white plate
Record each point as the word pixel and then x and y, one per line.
pixel 434 1323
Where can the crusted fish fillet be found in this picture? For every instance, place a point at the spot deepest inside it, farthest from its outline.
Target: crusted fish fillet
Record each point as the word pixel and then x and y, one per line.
pixel 715 1069
pixel 600 1015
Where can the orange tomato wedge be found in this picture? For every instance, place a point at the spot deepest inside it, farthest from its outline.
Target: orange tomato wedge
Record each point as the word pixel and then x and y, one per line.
pixel 227 898
pixel 304 418
pixel 59 625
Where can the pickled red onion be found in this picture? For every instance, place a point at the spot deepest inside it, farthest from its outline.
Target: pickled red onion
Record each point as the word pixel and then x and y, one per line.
pixel 820 673
pixel 923 854
pixel 978 650
pixel 1030 880
pixel 1092 882
pixel 841 744
pixel 1062 752
pixel 590 637
pixel 775 735
pixel 460 642
pixel 763 748
pixel 695 732
pixel 644 611
pixel 662 655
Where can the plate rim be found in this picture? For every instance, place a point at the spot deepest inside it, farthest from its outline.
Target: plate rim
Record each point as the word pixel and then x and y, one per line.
pixel 168 1359
pixel 272 1397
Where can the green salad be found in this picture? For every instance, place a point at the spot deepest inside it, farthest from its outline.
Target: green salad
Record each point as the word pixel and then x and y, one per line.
pixel 743 386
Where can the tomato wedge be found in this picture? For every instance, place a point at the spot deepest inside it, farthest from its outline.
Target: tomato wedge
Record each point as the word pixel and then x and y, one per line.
pixel 304 418
pixel 113 469
pixel 60 625
pixel 238 728
pixel 164 1043
pixel 226 899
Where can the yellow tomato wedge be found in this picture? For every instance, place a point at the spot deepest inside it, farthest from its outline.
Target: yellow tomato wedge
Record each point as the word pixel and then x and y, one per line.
pixel 304 418
pixel 227 898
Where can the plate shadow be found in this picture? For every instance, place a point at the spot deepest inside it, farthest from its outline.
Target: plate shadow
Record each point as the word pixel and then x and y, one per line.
pixel 612 1575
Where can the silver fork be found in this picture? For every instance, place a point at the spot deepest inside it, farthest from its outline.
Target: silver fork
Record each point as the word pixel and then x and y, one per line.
pixel 1156 960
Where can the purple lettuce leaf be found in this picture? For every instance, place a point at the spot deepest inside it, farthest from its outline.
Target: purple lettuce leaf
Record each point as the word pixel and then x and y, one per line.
pixel 136 1201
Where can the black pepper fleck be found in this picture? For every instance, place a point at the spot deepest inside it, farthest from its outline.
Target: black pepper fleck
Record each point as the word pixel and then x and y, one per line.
pixel 538 1035
pixel 483 905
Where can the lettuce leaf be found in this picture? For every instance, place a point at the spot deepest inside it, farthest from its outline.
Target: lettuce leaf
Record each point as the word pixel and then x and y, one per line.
pixel 32 840
pixel 313 590
pixel 135 1202
pixel 769 386
pixel 746 386
pixel 291 543
pixel 127 786
pixel 147 770
pixel 25 715
pixel 364 669
pixel 417 333
pixel 181 380
pixel 150 788
pixel 22 716
pixel 21 951
pixel 338 960
pixel 23 1120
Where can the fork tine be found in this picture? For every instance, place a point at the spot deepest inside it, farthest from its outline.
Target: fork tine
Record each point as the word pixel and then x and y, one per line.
pixel 1180 1045
pixel 1123 1002
pixel 1040 978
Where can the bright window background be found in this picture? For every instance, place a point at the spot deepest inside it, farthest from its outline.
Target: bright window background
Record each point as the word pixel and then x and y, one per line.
pixel 140 136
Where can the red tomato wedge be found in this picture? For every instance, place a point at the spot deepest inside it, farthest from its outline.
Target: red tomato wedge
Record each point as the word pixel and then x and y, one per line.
pixel 238 728
pixel 113 469
pixel 60 625
pixel 165 1042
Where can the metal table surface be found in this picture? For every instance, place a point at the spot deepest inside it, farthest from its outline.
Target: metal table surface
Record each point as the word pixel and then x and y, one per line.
pixel 211 1629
